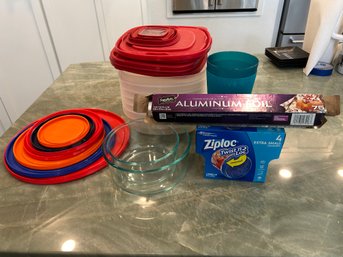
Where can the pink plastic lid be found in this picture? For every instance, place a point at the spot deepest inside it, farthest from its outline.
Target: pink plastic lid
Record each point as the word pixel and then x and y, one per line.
pixel 162 50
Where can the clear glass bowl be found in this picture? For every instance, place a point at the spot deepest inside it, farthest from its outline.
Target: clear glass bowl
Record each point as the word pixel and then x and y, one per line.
pixel 155 159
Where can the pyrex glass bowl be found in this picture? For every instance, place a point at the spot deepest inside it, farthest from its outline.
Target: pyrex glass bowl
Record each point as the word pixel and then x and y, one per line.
pixel 149 146
pixel 154 161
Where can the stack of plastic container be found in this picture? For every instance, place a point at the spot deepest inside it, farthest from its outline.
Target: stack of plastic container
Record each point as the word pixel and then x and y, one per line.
pixel 160 59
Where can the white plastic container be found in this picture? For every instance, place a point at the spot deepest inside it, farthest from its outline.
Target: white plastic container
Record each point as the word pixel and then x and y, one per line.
pixel 132 83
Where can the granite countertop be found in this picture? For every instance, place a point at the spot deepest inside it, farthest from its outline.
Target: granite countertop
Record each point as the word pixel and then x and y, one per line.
pixel 297 215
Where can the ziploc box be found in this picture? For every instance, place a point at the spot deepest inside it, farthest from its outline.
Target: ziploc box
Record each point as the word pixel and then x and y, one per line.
pixel 238 153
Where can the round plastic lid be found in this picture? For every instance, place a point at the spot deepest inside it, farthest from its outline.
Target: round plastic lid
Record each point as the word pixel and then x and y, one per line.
pixel 322 69
pixel 63 131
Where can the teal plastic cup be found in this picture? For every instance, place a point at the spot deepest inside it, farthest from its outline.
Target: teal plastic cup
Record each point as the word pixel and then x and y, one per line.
pixel 231 72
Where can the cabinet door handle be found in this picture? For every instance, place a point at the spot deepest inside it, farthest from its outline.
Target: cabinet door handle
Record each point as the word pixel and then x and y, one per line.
pixel 210 3
pixel 296 41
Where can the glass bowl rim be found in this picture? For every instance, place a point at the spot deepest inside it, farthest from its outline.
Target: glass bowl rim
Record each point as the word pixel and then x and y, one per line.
pixel 180 157
pixel 110 135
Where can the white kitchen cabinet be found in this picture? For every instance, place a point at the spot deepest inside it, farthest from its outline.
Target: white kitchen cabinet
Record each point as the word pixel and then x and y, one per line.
pixel 74 31
pixel 25 71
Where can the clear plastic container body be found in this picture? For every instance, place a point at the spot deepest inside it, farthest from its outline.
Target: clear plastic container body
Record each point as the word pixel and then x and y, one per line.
pixel 132 83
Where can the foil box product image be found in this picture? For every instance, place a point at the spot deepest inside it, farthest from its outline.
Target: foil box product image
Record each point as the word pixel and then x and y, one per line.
pixel 238 153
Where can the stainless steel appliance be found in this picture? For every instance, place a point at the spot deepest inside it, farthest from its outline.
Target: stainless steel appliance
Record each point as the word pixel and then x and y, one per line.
pixel 196 6
pixel 293 23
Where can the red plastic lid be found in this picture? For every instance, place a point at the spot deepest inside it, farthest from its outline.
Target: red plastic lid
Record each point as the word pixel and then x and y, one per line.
pixel 153 35
pixel 154 50
pixel 194 42
pixel 160 70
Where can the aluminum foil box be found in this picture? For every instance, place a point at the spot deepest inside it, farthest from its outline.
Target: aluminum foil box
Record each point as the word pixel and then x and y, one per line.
pixel 302 110
pixel 238 153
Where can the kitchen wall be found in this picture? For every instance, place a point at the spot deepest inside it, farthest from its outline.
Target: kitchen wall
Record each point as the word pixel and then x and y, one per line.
pixel 231 32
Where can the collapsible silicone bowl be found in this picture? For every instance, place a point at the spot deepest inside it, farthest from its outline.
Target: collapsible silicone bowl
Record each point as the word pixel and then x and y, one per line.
pixel 35 150
pixel 83 168
pixel 32 145
pixel 63 131
pixel 86 164
pixel 151 166
pixel 26 160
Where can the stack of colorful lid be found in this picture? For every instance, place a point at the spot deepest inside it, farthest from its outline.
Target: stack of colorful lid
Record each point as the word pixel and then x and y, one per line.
pixel 160 59
pixel 162 50
pixel 63 146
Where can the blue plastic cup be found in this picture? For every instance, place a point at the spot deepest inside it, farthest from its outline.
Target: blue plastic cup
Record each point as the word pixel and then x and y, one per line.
pixel 231 73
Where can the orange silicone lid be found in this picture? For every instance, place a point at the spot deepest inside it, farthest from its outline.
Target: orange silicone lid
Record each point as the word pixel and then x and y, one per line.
pixel 63 131
pixel 26 160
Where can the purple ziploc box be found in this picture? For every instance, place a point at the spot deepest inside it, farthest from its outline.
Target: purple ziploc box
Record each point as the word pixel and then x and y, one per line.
pixel 307 110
